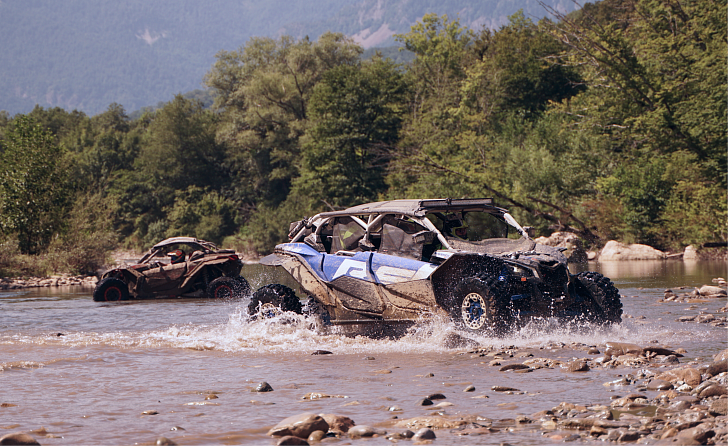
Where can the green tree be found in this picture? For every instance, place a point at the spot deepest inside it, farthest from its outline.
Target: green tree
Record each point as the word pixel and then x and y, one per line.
pixel 263 90
pixel 356 112
pixel 33 186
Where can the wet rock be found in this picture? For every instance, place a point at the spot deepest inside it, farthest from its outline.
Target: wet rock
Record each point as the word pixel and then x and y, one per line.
pixel 713 390
pixel 291 440
pixel 505 368
pixel 432 422
pixel 721 356
pixel 719 407
pixel 504 389
pixel 316 436
pixel 363 431
pixel 712 291
pixel 320 395
pixel 622 348
pixel 424 402
pixel 670 359
pixel 436 396
pixel 430 375
pixel 263 387
pixel 469 389
pixel 659 384
pixel 321 352
pixel 301 426
pixel 676 441
pixel 593 351
pixel 369 358
pixel 18 438
pixel 150 412
pixel 717 367
pixel 424 434
pixel 164 441
pixel 628 436
pixel 338 423
pixel 577 366
pixel 696 435
pixel 211 397
pixel 688 375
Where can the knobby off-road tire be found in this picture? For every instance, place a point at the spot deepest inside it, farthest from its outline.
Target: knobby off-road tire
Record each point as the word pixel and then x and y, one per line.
pixel 271 300
pixel 479 305
pixel 315 310
pixel 228 288
pixel 604 301
pixel 111 289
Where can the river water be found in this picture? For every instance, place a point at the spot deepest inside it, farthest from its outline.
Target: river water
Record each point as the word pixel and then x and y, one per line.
pixel 75 372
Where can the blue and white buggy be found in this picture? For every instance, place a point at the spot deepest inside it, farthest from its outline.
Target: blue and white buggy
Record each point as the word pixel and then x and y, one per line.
pixel 395 262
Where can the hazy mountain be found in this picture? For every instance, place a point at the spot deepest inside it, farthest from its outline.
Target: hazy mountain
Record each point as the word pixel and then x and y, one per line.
pixel 86 54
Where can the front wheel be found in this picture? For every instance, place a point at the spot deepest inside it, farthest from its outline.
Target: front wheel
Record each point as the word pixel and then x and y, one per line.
pixel 271 300
pixel 479 306
pixel 111 289
pixel 605 304
pixel 227 288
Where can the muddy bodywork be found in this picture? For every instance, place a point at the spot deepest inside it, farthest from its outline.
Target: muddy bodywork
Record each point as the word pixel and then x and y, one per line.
pixel 399 261
pixel 156 276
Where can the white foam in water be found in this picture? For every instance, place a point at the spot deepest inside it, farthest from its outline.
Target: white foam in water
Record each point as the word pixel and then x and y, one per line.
pixel 293 333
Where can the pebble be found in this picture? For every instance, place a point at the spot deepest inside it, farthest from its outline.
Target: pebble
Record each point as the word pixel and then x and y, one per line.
pixel 322 352
pixel 424 402
pixel 150 412
pixel 300 426
pixel 164 441
pixel 424 434
pixel 436 396
pixel 263 387
pixel 363 431
pixel 469 389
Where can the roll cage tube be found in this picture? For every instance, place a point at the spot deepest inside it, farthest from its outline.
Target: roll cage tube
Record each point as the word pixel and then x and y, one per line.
pixel 512 221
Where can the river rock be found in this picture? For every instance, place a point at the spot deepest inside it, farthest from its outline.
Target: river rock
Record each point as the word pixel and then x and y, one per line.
pixel 577 366
pixel 690 254
pixel 290 440
pixel 18 438
pixel 436 396
pixel 719 407
pixel 659 384
pixel 424 434
pixel 721 356
pixel 711 291
pixel 432 422
pixel 263 387
pixel 338 423
pixel 713 390
pixel 316 436
pixel 505 368
pixel 689 375
pixel 615 250
pixel 717 367
pixel 300 426
pixel 504 389
pixel 574 247
pixel 363 431
pixel 164 441
pixel 622 348
pixel 469 389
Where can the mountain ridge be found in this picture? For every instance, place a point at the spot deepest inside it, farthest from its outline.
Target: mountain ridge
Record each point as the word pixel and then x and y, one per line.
pixel 87 54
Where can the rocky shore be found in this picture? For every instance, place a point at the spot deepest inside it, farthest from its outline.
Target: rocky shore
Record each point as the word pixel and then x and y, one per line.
pixel 7 283
pixel 663 403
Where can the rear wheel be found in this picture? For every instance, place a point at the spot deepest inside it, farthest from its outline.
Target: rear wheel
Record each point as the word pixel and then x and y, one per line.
pixel 111 289
pixel 271 300
pixel 227 288
pixel 479 305
pixel 604 302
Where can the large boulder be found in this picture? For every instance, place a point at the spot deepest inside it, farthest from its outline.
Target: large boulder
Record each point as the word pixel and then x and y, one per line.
pixel 614 250
pixel 300 426
pixel 574 247
pixel 690 254
pixel 711 291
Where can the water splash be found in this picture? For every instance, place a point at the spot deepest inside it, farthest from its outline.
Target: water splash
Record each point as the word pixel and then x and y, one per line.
pixel 292 333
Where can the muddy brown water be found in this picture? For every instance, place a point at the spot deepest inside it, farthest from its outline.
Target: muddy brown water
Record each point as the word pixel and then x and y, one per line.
pixel 113 362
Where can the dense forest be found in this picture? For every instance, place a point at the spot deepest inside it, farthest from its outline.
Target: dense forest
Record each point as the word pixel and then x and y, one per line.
pixel 609 122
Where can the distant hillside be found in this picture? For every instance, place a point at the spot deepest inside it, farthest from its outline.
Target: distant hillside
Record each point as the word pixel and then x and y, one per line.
pixel 86 54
